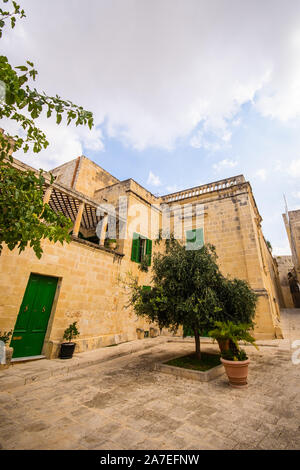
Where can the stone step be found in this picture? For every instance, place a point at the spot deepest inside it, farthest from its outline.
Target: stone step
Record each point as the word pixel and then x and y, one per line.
pixel 22 373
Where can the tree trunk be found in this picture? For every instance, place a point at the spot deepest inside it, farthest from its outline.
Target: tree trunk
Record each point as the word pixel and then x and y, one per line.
pixel 223 344
pixel 197 344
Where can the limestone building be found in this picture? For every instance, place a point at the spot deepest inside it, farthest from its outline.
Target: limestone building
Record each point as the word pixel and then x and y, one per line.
pixel 81 281
pixel 285 270
pixel 292 226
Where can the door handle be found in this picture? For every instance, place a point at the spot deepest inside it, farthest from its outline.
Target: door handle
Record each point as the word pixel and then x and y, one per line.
pixel 26 308
pixel 43 309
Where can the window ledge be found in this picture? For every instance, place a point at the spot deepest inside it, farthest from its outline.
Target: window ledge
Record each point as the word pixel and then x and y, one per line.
pixel 95 246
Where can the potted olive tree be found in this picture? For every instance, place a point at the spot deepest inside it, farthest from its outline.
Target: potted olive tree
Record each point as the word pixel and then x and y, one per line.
pixel 6 352
pixel 67 349
pixel 184 291
pixel 234 359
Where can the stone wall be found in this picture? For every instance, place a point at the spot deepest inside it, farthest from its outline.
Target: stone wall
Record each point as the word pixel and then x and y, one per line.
pixel 89 291
pixel 84 176
pixel 292 225
pixel 231 223
pixel 285 265
pixel 91 288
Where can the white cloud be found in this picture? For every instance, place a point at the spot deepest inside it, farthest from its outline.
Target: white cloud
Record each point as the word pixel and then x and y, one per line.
pixel 226 163
pixel 199 141
pixel 212 139
pixel 278 165
pixel 262 174
pixel 281 249
pixel 296 194
pixel 294 168
pixel 236 122
pixel 153 180
pixel 153 72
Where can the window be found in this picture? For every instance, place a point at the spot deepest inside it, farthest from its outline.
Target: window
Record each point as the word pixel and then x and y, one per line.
pixel 141 248
pixel 194 239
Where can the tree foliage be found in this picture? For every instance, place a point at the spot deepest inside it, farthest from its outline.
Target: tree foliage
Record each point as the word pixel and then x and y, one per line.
pixel 24 218
pixel 71 332
pixel 23 104
pixel 238 300
pixel 5 336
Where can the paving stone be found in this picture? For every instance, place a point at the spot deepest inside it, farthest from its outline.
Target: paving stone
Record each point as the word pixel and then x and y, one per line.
pixel 124 404
pixel 36 426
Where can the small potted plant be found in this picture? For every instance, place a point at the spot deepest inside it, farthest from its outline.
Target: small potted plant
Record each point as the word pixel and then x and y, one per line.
pixel 7 351
pixel 144 264
pixel 67 349
pixel 234 358
pixel 140 333
pixel 153 332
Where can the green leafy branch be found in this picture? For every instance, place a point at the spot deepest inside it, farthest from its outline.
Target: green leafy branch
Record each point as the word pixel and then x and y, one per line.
pixel 10 16
pixel 24 218
pixel 19 96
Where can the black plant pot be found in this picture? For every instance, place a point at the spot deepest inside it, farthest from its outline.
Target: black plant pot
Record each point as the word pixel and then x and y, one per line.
pixel 67 350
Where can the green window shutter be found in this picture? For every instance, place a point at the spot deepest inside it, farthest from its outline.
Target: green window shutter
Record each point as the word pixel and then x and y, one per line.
pixel 149 251
pixel 191 236
pixel 199 237
pixel 195 239
pixel 146 287
pixel 135 250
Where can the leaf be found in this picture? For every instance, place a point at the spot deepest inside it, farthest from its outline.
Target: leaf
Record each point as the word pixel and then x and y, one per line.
pixel 23 68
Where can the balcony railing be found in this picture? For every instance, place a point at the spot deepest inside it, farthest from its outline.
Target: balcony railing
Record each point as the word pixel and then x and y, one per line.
pixel 204 189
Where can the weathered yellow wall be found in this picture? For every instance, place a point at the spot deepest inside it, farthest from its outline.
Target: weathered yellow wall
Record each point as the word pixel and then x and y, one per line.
pixel 91 177
pixel 84 176
pixel 90 290
pixel 232 224
pixel 293 231
pixel 65 173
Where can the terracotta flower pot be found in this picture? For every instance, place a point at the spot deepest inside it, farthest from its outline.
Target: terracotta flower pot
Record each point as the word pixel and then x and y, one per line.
pixel 237 372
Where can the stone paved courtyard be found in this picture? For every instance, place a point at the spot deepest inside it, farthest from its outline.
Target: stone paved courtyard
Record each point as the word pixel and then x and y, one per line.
pixel 125 404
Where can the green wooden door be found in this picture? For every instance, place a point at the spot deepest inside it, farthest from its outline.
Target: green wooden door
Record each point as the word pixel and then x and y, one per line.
pixel 32 321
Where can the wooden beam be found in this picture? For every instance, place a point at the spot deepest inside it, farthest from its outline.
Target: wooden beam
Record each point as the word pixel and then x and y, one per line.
pixel 103 230
pixel 47 194
pixel 78 220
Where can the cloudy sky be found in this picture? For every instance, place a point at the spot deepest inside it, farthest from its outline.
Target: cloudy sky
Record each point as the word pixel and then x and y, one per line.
pixel 183 92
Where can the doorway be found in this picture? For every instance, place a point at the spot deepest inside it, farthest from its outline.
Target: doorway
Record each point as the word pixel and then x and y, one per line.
pixel 33 317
